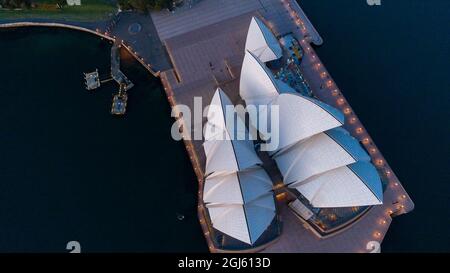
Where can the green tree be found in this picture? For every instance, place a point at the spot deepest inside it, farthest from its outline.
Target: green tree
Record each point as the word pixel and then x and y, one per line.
pixel 139 5
pixel 161 4
pixel 144 5
pixel 15 4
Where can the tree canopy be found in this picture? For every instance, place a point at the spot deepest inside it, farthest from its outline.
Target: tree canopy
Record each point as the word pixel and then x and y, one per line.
pixel 15 4
pixel 139 5
pixel 145 5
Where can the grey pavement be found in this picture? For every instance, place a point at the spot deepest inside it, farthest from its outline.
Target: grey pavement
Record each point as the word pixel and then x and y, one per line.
pixel 101 25
pixel 146 42
pixel 204 13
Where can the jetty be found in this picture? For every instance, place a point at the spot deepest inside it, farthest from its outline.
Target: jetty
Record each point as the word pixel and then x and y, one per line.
pixel 116 73
pixel 94 81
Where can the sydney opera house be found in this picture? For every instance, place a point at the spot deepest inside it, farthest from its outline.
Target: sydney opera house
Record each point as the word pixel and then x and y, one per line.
pixel 323 173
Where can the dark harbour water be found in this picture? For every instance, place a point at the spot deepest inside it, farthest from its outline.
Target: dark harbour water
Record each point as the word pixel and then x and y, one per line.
pixel 69 170
pixel 392 64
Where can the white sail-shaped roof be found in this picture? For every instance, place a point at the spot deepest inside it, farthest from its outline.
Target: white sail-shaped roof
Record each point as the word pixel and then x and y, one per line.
pixel 262 42
pixel 229 156
pixel 302 117
pixel 245 222
pixel 357 184
pixel 220 113
pixel 258 86
pixel 320 153
pixel 237 188
pixel 237 193
pixel 224 151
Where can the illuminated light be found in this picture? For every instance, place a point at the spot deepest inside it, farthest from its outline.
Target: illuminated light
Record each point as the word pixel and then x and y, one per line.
pixel 340 101
pixel 353 120
pixel 347 111
pixel 318 65
pixel 389 211
pixel 332 217
pixel 335 92
pixel 323 75
pixel 377 234
pixel 373 150
pixel 388 172
pixel 383 222
pixel 365 141
pixel 279 185
pixel 380 162
pixel 329 83
pixel 281 196
pixel 359 130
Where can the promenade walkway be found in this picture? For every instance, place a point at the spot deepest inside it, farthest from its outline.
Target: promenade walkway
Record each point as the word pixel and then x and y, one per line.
pixel 87 25
pixel 144 43
pixel 138 32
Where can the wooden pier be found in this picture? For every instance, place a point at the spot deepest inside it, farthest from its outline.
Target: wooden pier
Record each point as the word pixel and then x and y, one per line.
pixel 116 73
pixel 198 62
pixel 93 81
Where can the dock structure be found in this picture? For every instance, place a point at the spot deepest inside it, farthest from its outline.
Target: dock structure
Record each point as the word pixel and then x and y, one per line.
pixel 119 105
pixel 206 45
pixel 92 80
